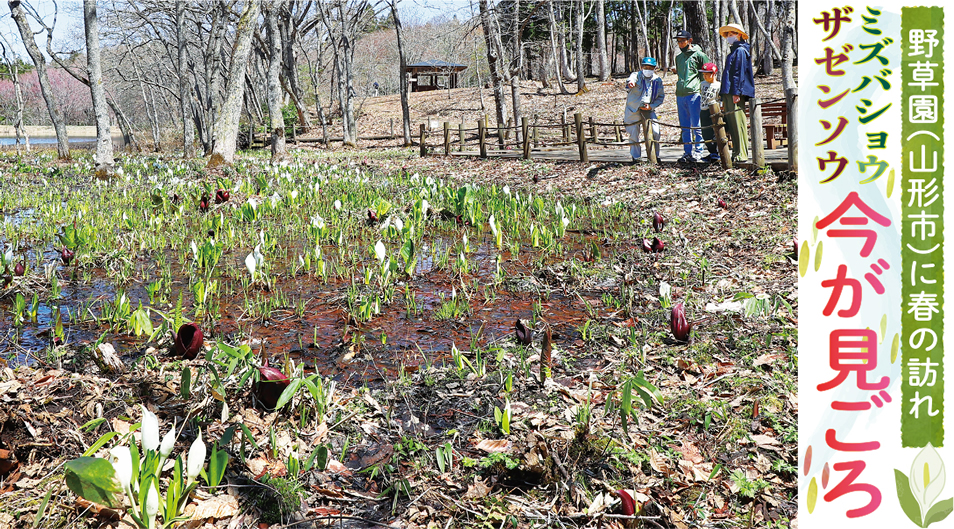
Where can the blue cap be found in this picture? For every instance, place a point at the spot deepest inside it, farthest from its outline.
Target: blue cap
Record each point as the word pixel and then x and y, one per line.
pixel 649 61
pixel 683 34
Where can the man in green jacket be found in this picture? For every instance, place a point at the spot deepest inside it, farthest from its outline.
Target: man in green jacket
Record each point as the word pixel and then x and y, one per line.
pixel 689 63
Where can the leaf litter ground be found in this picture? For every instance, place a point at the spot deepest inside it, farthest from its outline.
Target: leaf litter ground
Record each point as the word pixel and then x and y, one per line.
pixel 718 450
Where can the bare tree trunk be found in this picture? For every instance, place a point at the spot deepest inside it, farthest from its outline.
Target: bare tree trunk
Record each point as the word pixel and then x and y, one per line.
pixel 493 51
pixel 601 39
pixel 290 28
pixel 185 108
pixel 314 73
pixel 768 37
pixel 13 68
pixel 405 109
pixel 564 60
pixel 580 81
pixel 717 42
pixel 768 61
pixel 788 80
pixel 698 24
pixel 516 65
pixel 277 122
pixel 788 43
pixel 26 33
pixel 225 131
pixel 667 40
pixel 642 18
pixel 734 9
pixel 557 60
pixel 104 139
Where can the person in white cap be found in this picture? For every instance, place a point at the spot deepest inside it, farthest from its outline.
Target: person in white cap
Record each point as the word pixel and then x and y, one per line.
pixel 738 85
pixel 645 93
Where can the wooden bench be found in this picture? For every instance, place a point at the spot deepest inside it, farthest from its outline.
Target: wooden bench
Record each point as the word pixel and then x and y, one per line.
pixel 774 110
pixel 776 134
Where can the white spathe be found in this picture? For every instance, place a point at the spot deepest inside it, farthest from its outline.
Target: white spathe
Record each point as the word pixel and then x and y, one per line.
pixel 196 459
pixel 150 430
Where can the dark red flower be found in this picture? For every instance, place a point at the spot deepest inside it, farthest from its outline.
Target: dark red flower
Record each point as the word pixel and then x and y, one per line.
pixel 204 202
pixel 657 245
pixel 627 506
pixel 658 222
pixel 19 269
pixel 647 246
pixel 678 325
pixel 222 195
pixel 67 255
pixel 722 204
pixel 524 335
pixel 188 341
pixel 272 382
pixel 372 215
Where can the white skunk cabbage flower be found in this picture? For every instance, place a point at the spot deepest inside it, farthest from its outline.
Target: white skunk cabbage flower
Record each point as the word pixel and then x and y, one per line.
pixel 927 478
pixel 150 430
pixel 152 502
pixel 122 464
pixel 379 251
pixel 168 442
pixel 196 459
pixel 254 260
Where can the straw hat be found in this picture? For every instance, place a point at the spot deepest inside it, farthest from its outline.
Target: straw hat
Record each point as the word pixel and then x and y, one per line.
pixel 735 27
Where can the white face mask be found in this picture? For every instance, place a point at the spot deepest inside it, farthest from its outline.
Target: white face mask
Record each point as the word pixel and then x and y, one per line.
pixel 648 74
pixel 731 39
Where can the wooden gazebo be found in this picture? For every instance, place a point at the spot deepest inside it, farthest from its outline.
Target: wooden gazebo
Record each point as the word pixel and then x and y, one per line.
pixel 431 72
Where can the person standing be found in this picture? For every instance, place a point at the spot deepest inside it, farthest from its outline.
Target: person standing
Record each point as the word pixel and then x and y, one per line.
pixel 689 63
pixel 644 94
pixel 710 94
pixel 738 85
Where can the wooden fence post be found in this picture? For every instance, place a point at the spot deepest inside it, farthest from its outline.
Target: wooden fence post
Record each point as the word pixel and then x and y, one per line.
pixel 580 138
pixel 482 137
pixel 460 135
pixel 536 131
pixel 446 139
pixel 566 129
pixel 524 127
pixel 649 139
pixel 619 134
pixel 755 118
pixel 725 154
pixel 791 101
pixel 392 128
pixel 592 130
pixel 423 140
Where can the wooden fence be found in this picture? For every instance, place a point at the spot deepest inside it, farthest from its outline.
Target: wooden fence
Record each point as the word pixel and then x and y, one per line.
pixel 538 136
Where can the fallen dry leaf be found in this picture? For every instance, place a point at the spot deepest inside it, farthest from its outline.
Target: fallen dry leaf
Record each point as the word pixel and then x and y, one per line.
pixel 766 441
pixel 218 507
pixel 767 359
pixel 478 490
pixel 659 463
pixel 494 445
pixel 260 466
